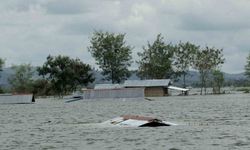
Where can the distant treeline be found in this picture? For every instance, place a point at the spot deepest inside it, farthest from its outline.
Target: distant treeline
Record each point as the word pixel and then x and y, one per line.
pixel 158 60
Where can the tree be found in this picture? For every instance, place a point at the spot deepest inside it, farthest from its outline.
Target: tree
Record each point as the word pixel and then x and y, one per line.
pixel 218 80
pixel 206 60
pixel 247 67
pixel 184 58
pixel 156 60
pixel 42 87
pixel 1 64
pixel 21 81
pixel 112 55
pixel 1 69
pixel 65 74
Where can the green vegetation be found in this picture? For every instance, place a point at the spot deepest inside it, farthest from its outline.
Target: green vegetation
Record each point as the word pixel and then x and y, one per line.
pixel 1 67
pixel 205 61
pixel 156 60
pixel 112 55
pixel 64 74
pixel 218 80
pixel 185 58
pixel 42 87
pixel 21 81
pixel 1 64
pixel 247 67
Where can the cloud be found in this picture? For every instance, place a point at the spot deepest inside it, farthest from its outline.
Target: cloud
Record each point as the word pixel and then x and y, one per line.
pixel 63 7
pixel 32 29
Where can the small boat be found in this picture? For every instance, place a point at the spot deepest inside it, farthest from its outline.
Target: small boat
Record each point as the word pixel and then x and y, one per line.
pixel 136 121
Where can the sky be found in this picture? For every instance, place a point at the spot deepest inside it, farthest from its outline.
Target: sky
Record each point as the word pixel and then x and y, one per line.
pixel 30 30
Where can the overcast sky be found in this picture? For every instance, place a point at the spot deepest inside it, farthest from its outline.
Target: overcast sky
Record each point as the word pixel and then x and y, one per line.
pixel 33 29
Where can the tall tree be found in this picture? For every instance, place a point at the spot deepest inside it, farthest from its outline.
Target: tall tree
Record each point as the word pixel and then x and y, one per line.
pixel 156 60
pixel 206 60
pixel 65 74
pixel 1 69
pixel 247 67
pixel 1 64
pixel 21 81
pixel 218 80
pixel 184 58
pixel 112 55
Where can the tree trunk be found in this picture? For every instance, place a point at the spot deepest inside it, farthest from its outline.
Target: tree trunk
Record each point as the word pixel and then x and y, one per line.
pixel 202 81
pixel 184 80
pixel 112 77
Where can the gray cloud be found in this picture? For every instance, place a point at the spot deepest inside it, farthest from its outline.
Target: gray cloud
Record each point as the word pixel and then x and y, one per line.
pixel 66 7
pixel 32 29
pixel 218 22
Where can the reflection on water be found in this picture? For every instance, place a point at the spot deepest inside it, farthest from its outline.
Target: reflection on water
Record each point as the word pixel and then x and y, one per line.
pixel 206 122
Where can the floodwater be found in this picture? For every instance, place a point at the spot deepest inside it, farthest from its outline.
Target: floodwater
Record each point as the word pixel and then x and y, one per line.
pixel 206 122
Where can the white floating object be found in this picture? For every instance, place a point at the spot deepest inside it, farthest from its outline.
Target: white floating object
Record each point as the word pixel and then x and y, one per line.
pixel 136 121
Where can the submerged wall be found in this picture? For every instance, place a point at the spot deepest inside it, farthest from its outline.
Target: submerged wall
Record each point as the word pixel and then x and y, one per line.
pixel 155 91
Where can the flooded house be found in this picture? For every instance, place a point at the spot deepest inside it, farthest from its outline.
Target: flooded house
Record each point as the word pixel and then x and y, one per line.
pixel 132 89
pixel 112 91
pixel 152 88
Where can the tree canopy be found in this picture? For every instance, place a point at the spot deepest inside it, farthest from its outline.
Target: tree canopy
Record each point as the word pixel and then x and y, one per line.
pixel 112 55
pixel 184 58
pixel 218 80
pixel 65 74
pixel 21 81
pixel 156 60
pixel 206 60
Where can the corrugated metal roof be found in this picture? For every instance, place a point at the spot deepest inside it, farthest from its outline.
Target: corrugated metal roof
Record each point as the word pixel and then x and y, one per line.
pixel 114 93
pixel 136 121
pixel 108 86
pixel 147 83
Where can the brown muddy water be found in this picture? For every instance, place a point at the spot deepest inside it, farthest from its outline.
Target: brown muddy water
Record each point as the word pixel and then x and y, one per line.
pixel 206 122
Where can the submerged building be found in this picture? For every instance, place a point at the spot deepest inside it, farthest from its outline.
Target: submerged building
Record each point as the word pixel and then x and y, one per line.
pixel 132 89
pixel 152 88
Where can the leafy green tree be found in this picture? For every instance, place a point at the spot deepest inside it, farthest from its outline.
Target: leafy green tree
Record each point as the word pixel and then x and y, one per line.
pixel 65 74
pixel 112 55
pixel 218 80
pixel 156 60
pixel 1 64
pixel 247 67
pixel 184 58
pixel 205 61
pixel 21 81
pixel 1 69
pixel 42 87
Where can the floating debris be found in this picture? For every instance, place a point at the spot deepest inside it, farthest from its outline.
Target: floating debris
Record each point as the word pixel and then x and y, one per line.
pixel 136 121
pixel 73 98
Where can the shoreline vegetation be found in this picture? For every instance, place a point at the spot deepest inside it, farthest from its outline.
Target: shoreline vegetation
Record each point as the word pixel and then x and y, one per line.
pixel 61 75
